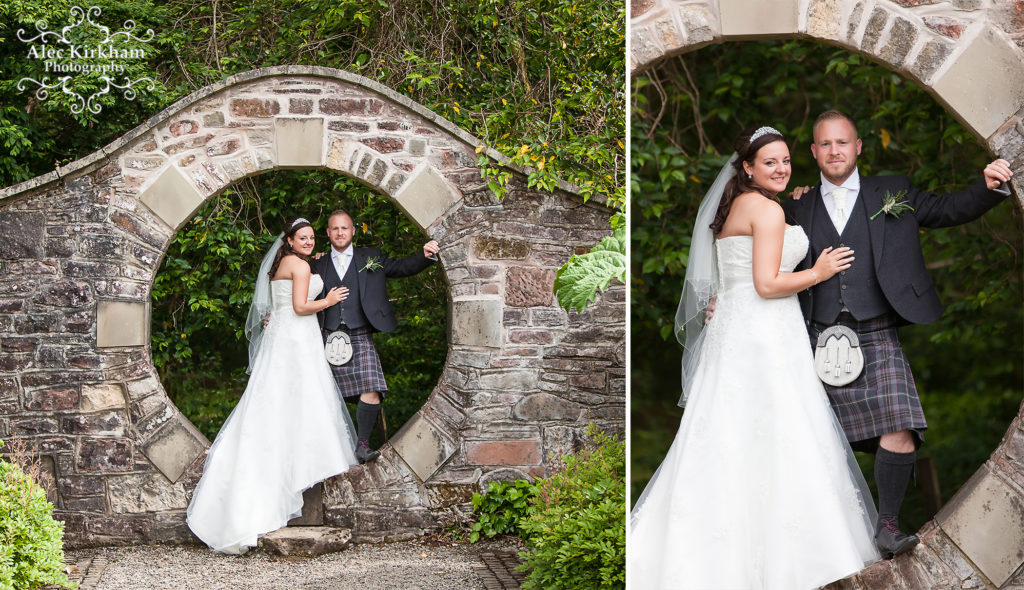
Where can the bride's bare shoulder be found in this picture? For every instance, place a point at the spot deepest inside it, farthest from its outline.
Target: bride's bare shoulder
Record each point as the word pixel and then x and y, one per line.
pixel 291 267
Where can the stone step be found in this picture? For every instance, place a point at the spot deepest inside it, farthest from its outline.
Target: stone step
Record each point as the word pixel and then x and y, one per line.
pixel 306 541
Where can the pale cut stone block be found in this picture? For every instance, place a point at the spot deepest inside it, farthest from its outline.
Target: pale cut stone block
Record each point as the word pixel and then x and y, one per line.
pixel 510 380
pixel 121 323
pixel 423 446
pixel 823 18
pixel 306 541
pixel 174 447
pixel 986 521
pixel 743 18
pixel 425 197
pixel 103 396
pixel 172 197
pixel 132 494
pixel 339 155
pixel 985 85
pixel 476 321
pixel 300 142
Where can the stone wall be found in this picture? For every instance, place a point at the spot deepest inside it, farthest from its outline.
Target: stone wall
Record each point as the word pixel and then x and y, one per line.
pixel 81 247
pixel 969 54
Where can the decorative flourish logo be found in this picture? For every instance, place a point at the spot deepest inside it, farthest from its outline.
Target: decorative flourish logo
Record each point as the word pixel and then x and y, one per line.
pixel 67 54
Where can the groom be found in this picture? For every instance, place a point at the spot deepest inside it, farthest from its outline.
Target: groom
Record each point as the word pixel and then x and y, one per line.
pixel 887 287
pixel 365 309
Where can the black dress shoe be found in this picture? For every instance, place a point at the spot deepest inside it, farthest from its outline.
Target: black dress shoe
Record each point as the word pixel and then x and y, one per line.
pixel 365 454
pixel 891 541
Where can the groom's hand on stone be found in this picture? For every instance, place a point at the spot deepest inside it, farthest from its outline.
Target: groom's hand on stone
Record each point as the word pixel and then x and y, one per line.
pixel 997 173
pixel 798 192
pixel 430 250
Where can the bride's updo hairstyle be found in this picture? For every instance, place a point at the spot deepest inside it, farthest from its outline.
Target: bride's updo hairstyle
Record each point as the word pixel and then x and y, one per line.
pixel 289 232
pixel 746 151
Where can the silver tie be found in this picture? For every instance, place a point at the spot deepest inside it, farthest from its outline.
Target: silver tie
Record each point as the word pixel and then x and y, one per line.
pixel 839 208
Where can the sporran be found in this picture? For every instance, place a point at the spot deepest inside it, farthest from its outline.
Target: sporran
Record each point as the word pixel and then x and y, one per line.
pixel 838 358
pixel 338 348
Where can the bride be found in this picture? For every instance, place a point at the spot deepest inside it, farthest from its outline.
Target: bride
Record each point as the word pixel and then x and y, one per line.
pixel 290 429
pixel 759 490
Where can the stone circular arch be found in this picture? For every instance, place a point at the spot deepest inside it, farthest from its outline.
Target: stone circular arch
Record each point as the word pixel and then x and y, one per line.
pixel 82 246
pixel 964 53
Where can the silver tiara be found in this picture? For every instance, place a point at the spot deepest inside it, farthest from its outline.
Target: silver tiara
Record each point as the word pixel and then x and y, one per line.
pixel 764 131
pixel 304 220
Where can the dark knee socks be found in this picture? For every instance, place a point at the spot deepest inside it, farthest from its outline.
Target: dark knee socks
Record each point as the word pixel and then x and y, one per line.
pixel 366 418
pixel 892 474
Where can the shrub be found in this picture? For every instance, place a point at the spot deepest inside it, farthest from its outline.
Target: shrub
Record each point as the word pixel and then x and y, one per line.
pixel 501 508
pixel 576 529
pixel 31 550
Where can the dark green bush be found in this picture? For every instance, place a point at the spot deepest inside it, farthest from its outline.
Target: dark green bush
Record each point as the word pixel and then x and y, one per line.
pixel 31 549
pixel 576 530
pixel 501 509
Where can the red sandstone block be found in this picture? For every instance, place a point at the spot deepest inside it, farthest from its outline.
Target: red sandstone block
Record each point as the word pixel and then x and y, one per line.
pixel 503 452
pixel 385 145
pixel 529 337
pixel 254 107
pixel 52 398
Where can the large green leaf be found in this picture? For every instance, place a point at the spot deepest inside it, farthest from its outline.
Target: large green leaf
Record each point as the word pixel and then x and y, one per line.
pixel 579 279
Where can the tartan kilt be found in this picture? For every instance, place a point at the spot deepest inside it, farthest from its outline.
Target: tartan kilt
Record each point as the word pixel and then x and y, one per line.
pixel 883 399
pixel 362 373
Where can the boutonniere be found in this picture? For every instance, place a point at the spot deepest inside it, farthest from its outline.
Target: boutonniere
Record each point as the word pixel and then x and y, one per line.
pixel 372 264
pixel 893 204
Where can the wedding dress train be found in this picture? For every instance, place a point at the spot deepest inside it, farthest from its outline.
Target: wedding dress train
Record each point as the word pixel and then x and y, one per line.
pixel 759 490
pixel 289 431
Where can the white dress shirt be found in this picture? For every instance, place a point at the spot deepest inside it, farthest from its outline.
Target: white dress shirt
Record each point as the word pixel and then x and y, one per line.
pixel 852 186
pixel 342 259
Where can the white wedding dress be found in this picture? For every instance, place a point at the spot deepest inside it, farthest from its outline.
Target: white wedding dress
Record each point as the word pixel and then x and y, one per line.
pixel 759 489
pixel 289 430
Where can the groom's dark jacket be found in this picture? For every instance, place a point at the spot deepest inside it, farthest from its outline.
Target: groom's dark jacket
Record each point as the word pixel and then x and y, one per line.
pixel 371 286
pixel 895 244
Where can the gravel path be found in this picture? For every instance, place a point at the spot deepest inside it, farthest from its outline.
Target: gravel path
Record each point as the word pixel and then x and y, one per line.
pixel 414 565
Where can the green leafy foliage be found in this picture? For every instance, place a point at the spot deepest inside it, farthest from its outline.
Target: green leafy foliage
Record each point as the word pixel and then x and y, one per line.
pixel 500 510
pixel 576 529
pixel 687 112
pixel 577 281
pixel 31 541
pixel 544 75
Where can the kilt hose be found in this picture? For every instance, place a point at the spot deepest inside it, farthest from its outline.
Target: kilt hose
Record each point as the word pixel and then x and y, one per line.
pixel 883 399
pixel 362 373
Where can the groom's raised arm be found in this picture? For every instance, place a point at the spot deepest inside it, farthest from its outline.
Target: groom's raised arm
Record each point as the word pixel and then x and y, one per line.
pixel 932 210
pixel 410 265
